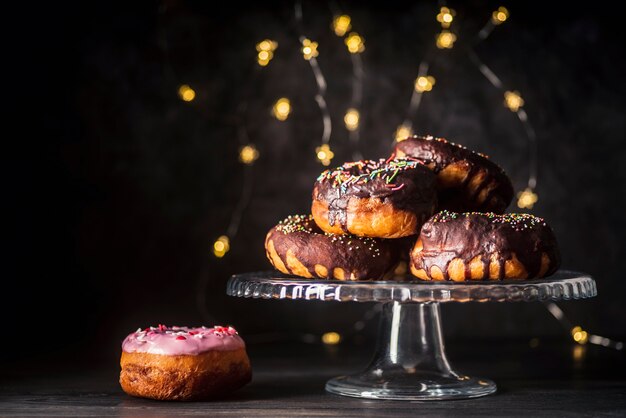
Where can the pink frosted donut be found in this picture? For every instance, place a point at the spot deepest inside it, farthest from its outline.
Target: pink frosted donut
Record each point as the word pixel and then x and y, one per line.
pixel 182 363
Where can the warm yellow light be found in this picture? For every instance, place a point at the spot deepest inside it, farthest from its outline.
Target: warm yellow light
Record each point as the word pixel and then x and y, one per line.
pixel 264 58
pixel 500 16
pixel 355 43
pixel 351 119
pixel 248 154
pixel 324 154
pixel 424 83
pixel 186 93
pixel 341 25
pixel 281 109
pixel 579 335
pixel 513 100
pixel 221 246
pixel 309 49
pixel 331 338
pixel 403 132
pixel 445 40
pixel 266 50
pixel 526 199
pixel 445 17
pixel 267 45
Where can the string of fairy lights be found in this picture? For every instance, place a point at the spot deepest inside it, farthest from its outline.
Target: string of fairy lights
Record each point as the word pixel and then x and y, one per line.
pixel 424 83
pixel 527 198
pixel 342 25
pixel 310 53
pixel 513 101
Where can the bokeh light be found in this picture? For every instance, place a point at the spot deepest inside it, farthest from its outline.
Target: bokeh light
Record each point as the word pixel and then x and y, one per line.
pixel 424 83
pixel 403 132
pixel 281 109
pixel 500 16
pixel 351 119
pixel 445 39
pixel 445 17
pixel 309 49
pixel 355 43
pixel 324 154
pixel 331 338
pixel 526 199
pixel 341 25
pixel 513 100
pixel 248 154
pixel 186 93
pixel 221 246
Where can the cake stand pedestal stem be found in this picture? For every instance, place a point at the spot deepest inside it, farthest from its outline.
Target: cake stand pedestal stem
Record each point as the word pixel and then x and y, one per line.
pixel 410 362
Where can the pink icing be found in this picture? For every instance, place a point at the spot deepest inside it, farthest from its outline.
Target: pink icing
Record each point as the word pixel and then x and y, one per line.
pixel 182 340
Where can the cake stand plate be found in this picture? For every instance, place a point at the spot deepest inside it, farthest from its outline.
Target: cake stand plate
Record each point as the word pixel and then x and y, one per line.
pixel 410 362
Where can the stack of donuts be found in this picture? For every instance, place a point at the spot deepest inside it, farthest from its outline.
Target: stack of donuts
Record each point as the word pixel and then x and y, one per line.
pixel 433 203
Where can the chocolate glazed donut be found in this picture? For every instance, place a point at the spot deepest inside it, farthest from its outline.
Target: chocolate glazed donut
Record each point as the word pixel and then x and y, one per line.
pixel 382 199
pixel 298 246
pixel 466 180
pixel 480 246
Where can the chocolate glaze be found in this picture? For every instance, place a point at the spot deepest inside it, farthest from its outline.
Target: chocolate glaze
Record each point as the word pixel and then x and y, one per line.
pixel 450 235
pixel 404 183
pixel 438 153
pixel 367 258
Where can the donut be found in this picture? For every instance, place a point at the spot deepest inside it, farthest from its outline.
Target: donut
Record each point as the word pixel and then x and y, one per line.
pixel 296 245
pixel 183 364
pixel 466 180
pixel 484 246
pixel 374 198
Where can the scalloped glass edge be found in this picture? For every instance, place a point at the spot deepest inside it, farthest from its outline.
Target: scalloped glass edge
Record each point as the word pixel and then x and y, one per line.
pixel 563 285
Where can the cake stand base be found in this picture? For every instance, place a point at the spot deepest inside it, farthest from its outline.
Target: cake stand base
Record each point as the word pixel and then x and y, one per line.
pixel 410 362
pixel 405 387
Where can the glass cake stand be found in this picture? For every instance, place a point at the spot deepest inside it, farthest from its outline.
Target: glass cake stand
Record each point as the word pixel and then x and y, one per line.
pixel 410 361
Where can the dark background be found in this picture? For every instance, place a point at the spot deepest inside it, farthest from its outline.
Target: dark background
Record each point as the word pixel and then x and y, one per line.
pixel 117 189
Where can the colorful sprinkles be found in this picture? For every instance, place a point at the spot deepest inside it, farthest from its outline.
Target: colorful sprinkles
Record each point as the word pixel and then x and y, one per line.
pixel 296 223
pixel 306 224
pixel 517 221
pixel 364 171
pixel 352 241
pixel 182 333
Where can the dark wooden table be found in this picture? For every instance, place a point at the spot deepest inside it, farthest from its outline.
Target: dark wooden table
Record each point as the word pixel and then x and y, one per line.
pixel 552 379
